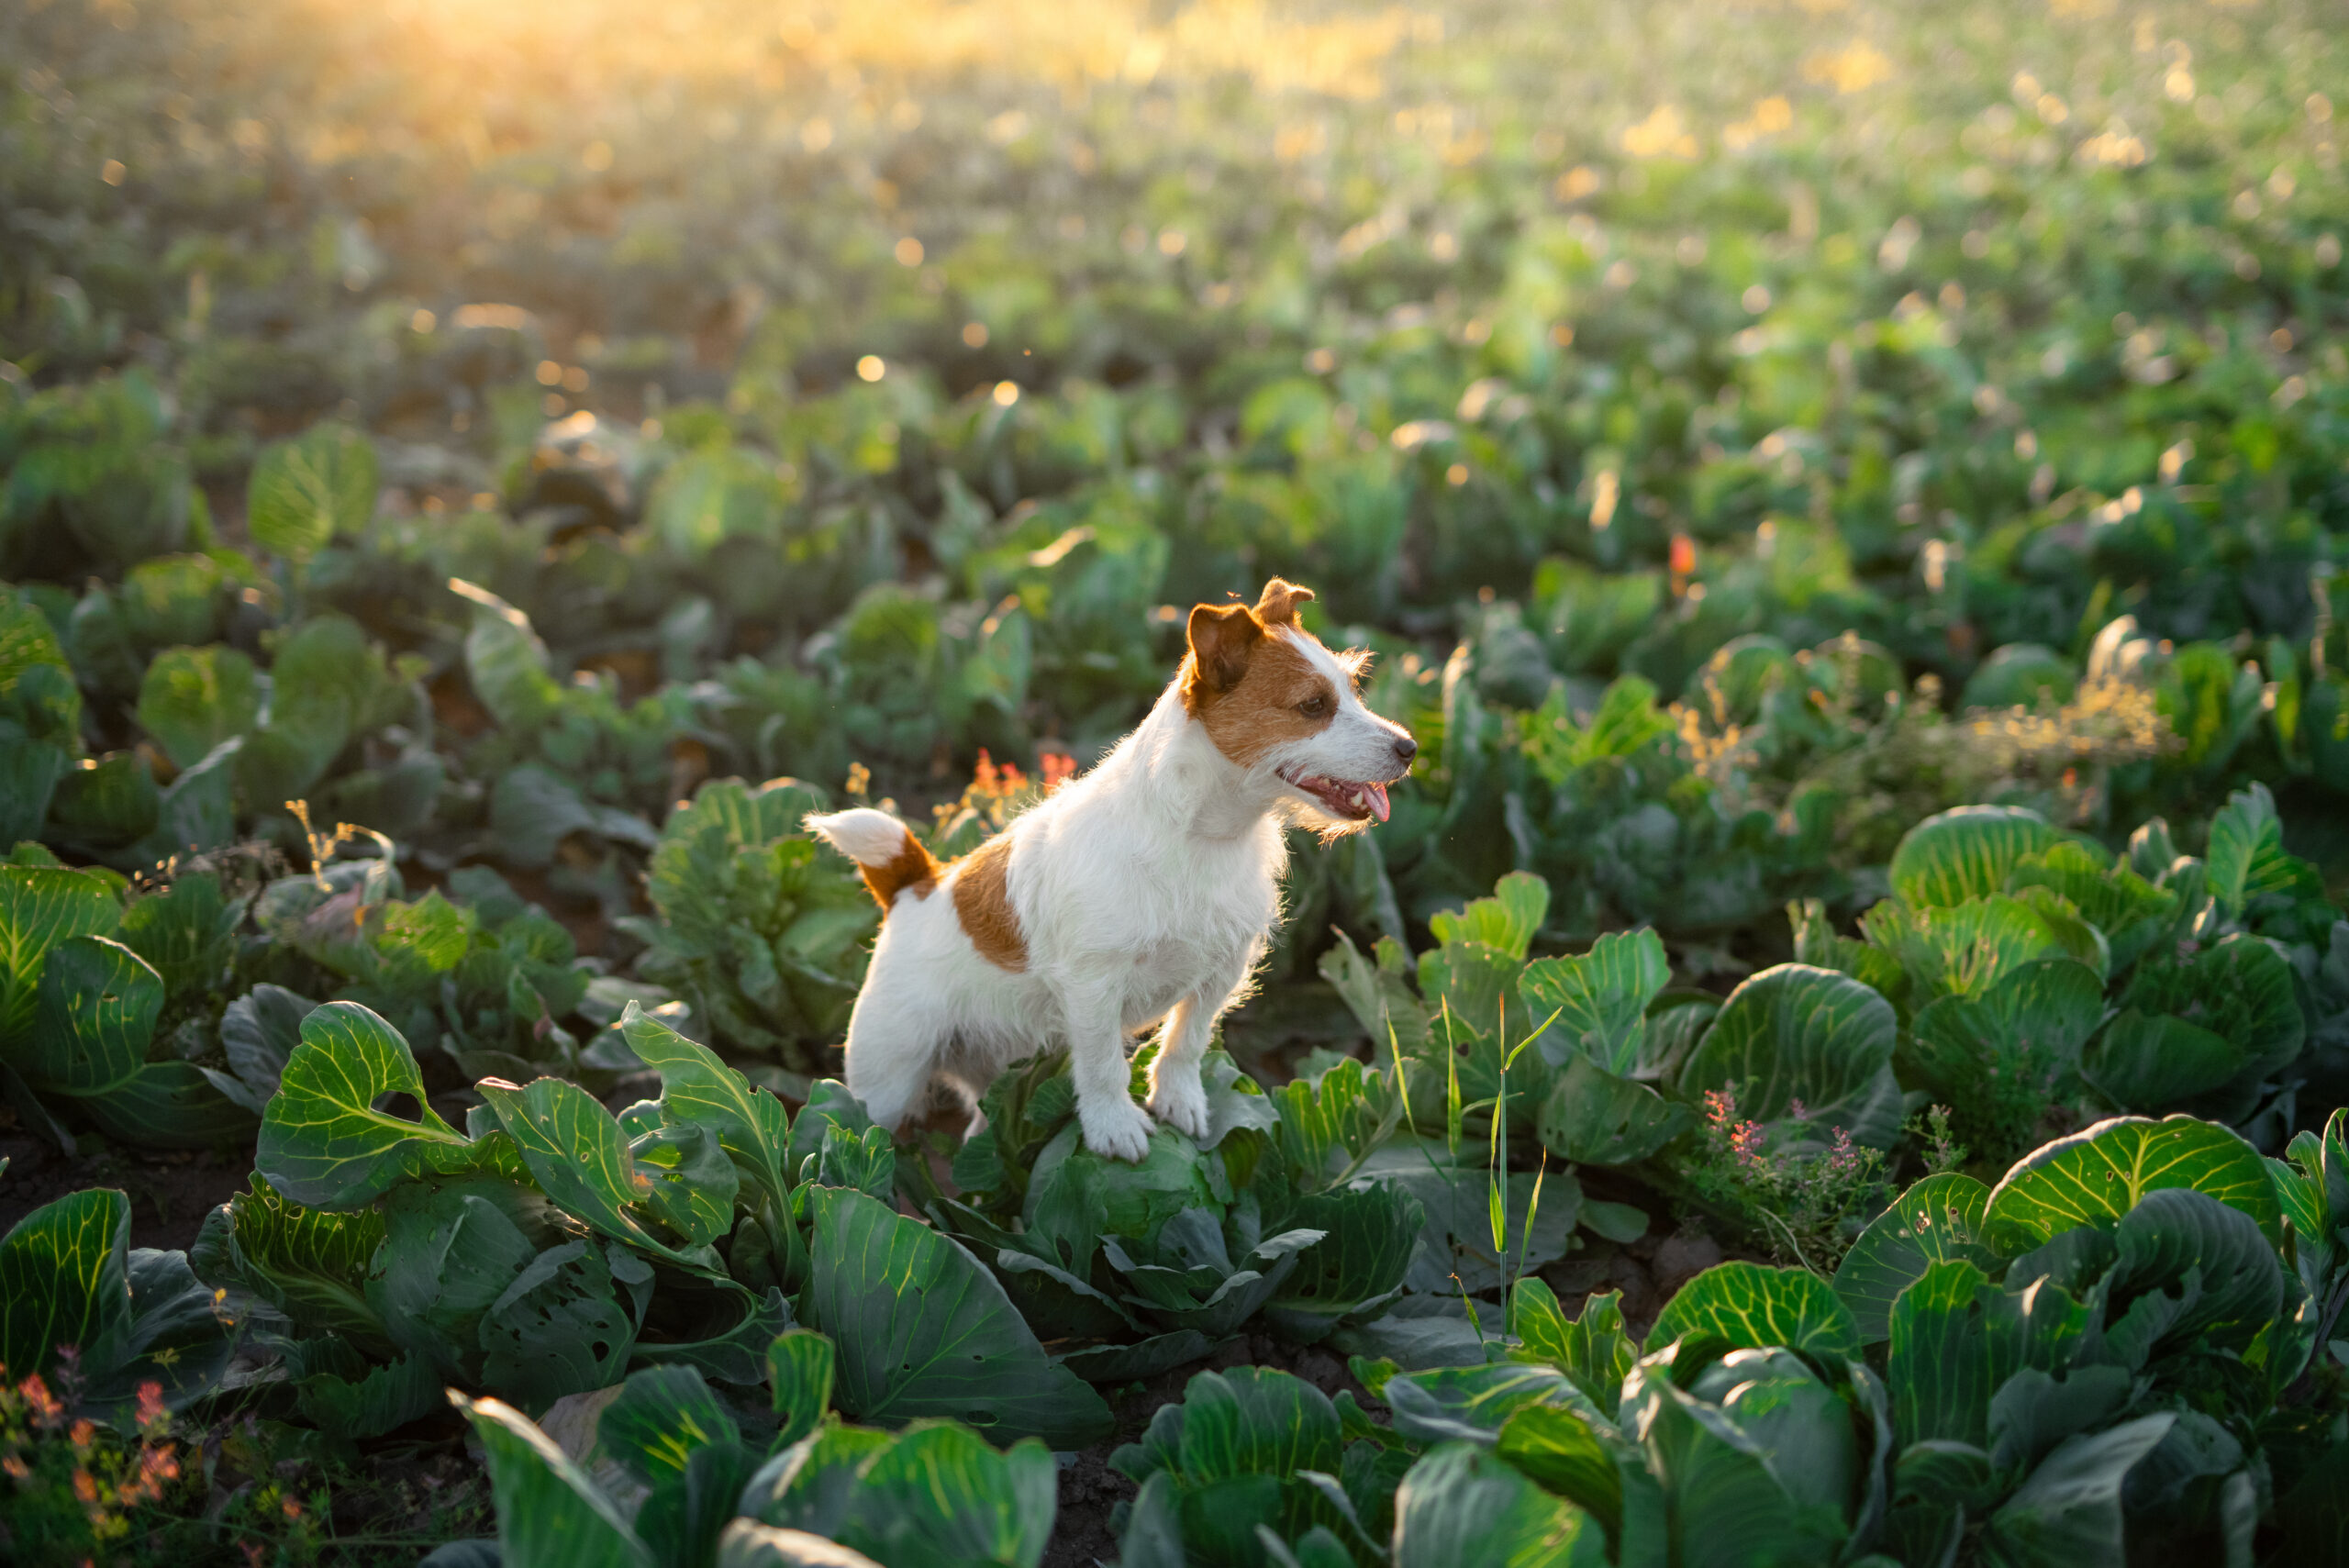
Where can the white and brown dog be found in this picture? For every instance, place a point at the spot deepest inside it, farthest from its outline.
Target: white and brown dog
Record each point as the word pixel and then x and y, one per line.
pixel 1143 891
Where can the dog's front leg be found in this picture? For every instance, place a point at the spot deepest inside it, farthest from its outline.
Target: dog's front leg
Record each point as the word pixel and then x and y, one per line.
pixel 1176 1096
pixel 1114 1126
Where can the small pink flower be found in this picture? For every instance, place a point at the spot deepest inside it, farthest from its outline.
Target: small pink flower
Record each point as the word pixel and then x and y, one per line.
pixel 151 1405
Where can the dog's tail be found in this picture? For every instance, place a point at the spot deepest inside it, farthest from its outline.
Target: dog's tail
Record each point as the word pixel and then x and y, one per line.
pixel 888 854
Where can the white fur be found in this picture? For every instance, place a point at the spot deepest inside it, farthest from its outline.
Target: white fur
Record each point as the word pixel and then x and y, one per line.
pixel 867 837
pixel 1145 892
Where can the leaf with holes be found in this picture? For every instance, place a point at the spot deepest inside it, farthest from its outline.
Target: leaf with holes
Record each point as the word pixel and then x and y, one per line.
pixel 449 1252
pixel 581 1158
pixel 94 1014
pixel 1937 1220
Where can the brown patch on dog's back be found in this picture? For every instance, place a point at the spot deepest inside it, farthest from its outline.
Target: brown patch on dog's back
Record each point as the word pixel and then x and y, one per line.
pixel 911 867
pixel 983 905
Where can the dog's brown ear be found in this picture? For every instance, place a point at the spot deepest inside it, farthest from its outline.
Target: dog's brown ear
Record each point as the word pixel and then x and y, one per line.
pixel 1222 636
pixel 1277 606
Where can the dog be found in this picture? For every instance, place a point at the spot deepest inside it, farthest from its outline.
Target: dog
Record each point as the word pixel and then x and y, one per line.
pixel 1140 893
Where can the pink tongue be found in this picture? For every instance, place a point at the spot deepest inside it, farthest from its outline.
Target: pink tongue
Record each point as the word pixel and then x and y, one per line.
pixel 1377 794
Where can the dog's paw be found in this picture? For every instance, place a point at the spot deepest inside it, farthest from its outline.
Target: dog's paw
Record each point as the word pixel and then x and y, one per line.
pixel 1116 1131
pixel 1181 1105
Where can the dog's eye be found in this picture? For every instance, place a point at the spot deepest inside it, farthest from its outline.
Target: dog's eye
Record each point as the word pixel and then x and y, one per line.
pixel 1314 706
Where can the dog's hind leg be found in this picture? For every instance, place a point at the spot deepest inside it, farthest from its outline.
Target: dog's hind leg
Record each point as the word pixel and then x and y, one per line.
pixel 894 1039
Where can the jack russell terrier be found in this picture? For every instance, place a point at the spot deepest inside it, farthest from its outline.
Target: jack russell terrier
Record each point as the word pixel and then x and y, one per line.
pixel 1141 892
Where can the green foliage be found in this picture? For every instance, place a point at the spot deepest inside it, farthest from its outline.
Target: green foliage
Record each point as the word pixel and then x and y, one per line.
pixel 1788 468
pixel 1278 1217
pixel 761 931
pixel 2035 1388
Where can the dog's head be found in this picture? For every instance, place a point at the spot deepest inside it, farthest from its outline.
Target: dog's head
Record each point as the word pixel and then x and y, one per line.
pixel 1278 704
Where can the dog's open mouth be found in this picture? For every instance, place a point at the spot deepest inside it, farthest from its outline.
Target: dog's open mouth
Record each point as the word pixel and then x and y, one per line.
pixel 1341 797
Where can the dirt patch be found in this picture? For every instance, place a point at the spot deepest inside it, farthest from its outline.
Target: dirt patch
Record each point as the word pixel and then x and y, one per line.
pixel 171 1191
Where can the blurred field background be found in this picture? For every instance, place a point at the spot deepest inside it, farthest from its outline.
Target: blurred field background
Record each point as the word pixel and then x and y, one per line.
pixel 865 388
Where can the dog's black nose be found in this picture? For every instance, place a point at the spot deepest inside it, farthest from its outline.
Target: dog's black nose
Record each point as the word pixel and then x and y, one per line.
pixel 1406 748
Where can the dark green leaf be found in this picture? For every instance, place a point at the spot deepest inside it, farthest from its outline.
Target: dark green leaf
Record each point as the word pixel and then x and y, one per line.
pixel 1794 1032
pixel 95 1011
pixel 939 1494
pixel 448 1253
pixel 581 1160
pixel 1462 1506
pixel 2067 1514
pixel 311 1265
pixel 1595 1117
pixel 549 1515
pixel 1558 1449
pixel 2157 1062
pixel 801 1365
pixel 661 1416
pixel 921 1329
pixel 41 906
pixel 64 1279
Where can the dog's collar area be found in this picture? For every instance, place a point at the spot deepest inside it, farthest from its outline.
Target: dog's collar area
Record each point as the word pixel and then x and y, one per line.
pixel 1357 802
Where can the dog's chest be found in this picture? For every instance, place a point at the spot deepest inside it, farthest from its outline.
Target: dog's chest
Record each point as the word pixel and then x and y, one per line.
pixel 1195 928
